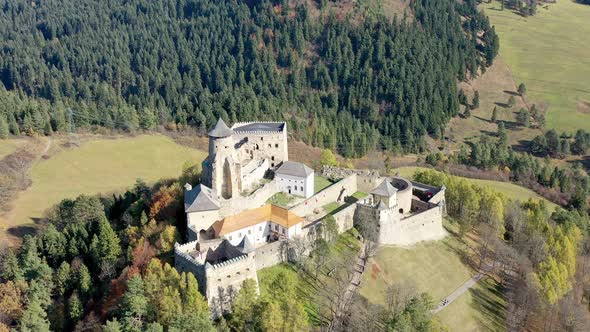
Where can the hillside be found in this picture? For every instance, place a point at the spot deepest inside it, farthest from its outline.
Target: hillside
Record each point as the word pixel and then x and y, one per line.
pixel 549 53
pixel 350 83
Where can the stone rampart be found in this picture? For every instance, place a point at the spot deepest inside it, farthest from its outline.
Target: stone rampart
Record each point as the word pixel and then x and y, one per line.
pixel 345 218
pixel 271 254
pixel 224 281
pixel 422 226
pixel 334 193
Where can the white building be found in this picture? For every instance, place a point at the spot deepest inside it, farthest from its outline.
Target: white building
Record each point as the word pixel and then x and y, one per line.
pixel 296 179
pixel 261 225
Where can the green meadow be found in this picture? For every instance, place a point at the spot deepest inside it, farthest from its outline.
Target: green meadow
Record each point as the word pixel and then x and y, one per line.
pixel 549 53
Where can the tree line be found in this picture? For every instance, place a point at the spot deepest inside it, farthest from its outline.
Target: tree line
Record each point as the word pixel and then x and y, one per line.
pixel 341 84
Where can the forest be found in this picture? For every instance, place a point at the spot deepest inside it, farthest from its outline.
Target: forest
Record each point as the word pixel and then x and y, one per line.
pixel 341 83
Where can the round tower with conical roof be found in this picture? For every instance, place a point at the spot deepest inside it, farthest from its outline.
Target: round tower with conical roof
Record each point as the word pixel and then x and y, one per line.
pixel 221 168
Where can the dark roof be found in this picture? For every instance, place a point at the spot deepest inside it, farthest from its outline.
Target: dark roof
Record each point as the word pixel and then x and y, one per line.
pixel 221 130
pixel 294 169
pixel 246 245
pixel 384 189
pixel 259 126
pixel 200 198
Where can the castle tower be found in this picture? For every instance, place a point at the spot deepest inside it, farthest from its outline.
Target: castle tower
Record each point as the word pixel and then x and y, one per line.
pixel 220 169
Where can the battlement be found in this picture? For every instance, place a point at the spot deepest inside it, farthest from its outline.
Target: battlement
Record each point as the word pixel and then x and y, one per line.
pixel 183 251
pixel 229 262
pixel 259 127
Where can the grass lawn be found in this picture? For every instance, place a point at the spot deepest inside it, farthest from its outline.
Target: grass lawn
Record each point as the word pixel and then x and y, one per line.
pixel 330 207
pixel 436 268
pixel 511 190
pixel 549 53
pixel 320 183
pixel 98 166
pixel 281 199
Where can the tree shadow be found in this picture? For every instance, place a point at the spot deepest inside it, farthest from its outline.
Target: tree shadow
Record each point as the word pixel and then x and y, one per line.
pixel 521 146
pixel 487 301
pixel 503 105
pixel 585 162
pixel 512 93
pixel 21 231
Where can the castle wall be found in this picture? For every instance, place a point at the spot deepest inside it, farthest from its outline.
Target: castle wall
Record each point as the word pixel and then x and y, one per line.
pixel 253 174
pixel 263 145
pixel 345 218
pixel 201 220
pixel 423 226
pixel 366 182
pixel 183 262
pixel 257 199
pixel 224 281
pixel 334 193
pixel 270 254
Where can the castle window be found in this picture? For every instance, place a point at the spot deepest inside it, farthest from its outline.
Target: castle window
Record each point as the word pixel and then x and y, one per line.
pixel 262 138
pixel 276 145
pixel 401 211
pixel 272 165
pixel 238 273
pixel 218 279
pixel 272 158
pixel 229 276
pixel 270 145
pixel 249 231
pixel 283 231
pixel 276 227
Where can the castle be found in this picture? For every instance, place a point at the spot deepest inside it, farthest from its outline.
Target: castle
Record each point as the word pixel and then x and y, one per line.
pixel 233 231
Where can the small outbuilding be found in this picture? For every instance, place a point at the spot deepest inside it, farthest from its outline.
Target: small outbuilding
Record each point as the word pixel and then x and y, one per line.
pixel 295 178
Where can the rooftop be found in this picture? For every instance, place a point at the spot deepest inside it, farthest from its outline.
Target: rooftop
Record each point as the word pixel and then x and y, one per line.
pixel 200 198
pixel 248 218
pixel 220 130
pixel 259 126
pixel 294 168
pixel 384 189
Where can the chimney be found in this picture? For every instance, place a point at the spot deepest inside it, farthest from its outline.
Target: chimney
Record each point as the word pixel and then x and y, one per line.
pixel 188 187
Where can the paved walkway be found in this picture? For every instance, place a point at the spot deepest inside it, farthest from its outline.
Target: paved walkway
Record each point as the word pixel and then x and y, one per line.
pixel 459 291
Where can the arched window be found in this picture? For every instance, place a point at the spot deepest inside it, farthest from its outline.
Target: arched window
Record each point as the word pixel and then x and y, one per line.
pixel 401 211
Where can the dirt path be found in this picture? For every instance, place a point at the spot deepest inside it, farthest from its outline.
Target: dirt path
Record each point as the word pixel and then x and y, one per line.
pixel 355 281
pixel 460 291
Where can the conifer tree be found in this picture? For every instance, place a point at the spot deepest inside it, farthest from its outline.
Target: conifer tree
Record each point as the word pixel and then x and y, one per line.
pixel 4 130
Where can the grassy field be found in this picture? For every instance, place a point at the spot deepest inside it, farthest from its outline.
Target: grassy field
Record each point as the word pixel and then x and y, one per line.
pixel 8 146
pixel 320 183
pixel 549 53
pixel 436 268
pixel 511 190
pixel 97 166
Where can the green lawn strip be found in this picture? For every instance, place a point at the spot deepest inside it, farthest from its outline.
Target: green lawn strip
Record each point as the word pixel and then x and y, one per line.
pixel 321 183
pixel 281 199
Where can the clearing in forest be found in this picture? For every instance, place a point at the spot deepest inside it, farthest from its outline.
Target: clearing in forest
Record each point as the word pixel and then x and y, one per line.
pixel 97 166
pixel 549 53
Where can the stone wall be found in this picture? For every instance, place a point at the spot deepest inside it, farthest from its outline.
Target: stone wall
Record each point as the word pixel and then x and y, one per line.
pixel 334 193
pixel 332 172
pixel 253 173
pixel 345 218
pixel 257 199
pixel 224 281
pixel 422 226
pixel 183 262
pixel 271 254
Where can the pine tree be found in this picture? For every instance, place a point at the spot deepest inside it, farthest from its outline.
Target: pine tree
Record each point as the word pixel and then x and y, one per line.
pixel 511 101
pixel 475 100
pixel 34 319
pixel 4 130
pixel 467 112
pixel 521 89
